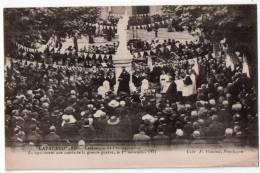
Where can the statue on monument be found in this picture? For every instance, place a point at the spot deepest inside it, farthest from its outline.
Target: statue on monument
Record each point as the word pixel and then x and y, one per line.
pixel 122 60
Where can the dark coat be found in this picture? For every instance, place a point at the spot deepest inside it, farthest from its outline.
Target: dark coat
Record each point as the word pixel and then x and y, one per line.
pixel 171 92
pixel 87 133
pixel 52 138
pixel 124 83
pixel 113 132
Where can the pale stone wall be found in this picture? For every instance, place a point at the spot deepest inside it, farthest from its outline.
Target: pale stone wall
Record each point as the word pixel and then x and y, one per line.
pixel 155 9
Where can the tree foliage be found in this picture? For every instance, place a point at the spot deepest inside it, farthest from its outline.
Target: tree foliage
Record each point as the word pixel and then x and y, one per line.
pixel 237 23
pixel 36 25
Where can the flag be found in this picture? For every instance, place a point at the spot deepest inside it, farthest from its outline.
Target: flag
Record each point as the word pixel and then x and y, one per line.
pixel 150 63
pixel 245 67
pixel 196 66
pixel 229 63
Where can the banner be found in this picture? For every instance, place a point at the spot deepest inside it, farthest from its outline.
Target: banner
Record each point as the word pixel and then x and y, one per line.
pixel 166 21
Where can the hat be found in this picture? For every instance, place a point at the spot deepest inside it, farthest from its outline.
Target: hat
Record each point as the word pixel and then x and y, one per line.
pixel 99 113
pixel 113 120
pixel 203 86
pixel 52 128
pixel 236 128
pixel 194 113
pixel 181 109
pixel 167 111
pixel 149 117
pixel 82 113
pixel 198 104
pixel 214 117
pixel 228 132
pixel 55 113
pixel 202 111
pixel 179 132
pixel 69 118
pixel 29 92
pixel 113 104
pixel 73 92
pixel 122 103
pixel 162 119
pixel 81 143
pixel 212 102
pixel 187 106
pixel 225 102
pixel 201 121
pixel 87 122
pixel 237 53
pixel 45 105
pixel 44 99
pixel 220 88
pixel 90 106
pixel 196 134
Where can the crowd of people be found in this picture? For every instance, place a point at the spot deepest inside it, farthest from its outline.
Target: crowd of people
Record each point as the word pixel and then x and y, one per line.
pixel 47 105
pixel 103 49
pixel 169 55
pixel 69 58
pixel 146 19
pixel 51 105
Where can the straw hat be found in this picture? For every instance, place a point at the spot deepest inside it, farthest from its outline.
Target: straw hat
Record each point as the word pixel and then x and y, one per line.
pixel 113 104
pixel 113 120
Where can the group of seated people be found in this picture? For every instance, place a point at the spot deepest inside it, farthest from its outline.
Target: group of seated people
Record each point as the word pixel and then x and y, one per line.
pixel 50 106
pixel 103 49
pixel 106 31
pixel 69 58
pixel 169 52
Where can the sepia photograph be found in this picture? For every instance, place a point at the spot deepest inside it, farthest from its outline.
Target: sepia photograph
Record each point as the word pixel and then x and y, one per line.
pixel 131 86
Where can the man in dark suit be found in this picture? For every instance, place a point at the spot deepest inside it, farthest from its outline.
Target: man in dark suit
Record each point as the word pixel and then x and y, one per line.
pixel 52 138
pixel 124 79
pixel 171 93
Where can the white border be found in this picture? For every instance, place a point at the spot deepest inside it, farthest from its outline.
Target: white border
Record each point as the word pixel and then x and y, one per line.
pixel 70 3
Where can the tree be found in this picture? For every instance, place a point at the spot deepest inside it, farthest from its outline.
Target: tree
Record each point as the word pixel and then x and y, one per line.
pixel 238 23
pixel 30 26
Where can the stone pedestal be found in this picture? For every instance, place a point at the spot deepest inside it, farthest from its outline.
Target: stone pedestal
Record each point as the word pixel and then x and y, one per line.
pixel 123 57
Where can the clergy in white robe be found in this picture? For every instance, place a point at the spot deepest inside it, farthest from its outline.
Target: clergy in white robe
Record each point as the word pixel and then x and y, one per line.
pixel 101 91
pixel 164 82
pixel 144 86
pixel 188 86
pixel 106 86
